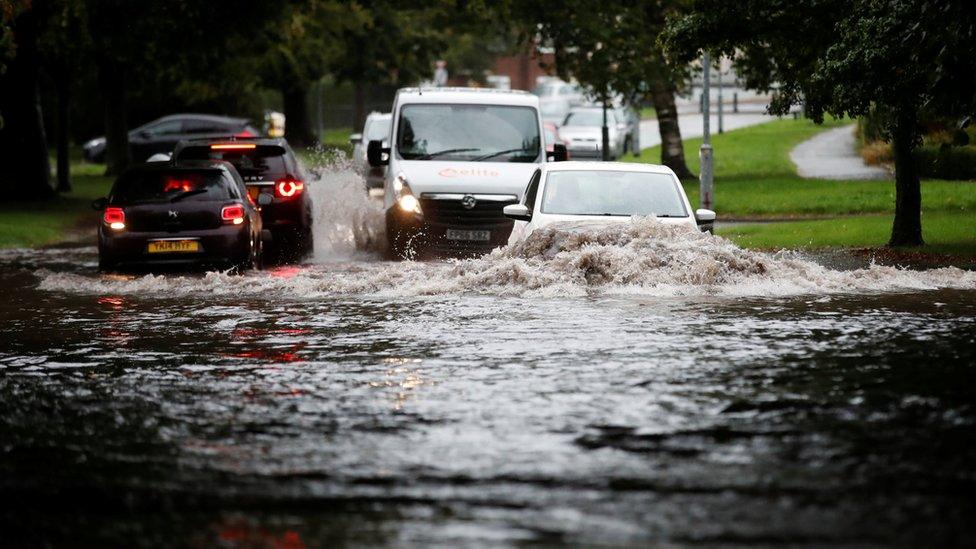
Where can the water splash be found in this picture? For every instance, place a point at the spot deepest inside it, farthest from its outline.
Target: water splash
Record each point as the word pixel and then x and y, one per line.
pixel 641 257
pixel 346 222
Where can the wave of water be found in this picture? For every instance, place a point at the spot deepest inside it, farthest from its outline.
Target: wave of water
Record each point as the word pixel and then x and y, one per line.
pixel 347 223
pixel 641 257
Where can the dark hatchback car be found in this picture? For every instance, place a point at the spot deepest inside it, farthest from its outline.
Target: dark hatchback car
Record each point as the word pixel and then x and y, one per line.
pixel 269 169
pixel 161 135
pixel 160 215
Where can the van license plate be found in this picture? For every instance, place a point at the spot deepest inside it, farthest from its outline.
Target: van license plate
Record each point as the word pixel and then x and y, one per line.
pixel 480 236
pixel 173 246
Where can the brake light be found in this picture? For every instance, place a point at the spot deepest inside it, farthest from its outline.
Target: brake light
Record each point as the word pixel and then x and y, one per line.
pixel 233 214
pixel 244 133
pixel 232 146
pixel 114 218
pixel 287 188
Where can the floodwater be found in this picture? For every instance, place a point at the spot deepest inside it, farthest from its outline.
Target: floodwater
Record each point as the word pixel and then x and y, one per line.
pixel 593 386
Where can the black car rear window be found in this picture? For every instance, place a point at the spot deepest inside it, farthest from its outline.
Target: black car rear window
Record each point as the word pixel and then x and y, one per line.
pixel 156 186
pixel 264 161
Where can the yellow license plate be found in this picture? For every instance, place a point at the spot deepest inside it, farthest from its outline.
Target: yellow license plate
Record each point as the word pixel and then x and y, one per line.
pixel 253 192
pixel 173 246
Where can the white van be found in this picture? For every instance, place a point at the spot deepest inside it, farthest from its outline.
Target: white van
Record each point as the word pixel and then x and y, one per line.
pixel 456 158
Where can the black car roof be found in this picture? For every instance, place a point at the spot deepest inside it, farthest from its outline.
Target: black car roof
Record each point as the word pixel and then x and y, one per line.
pixel 200 116
pixel 190 165
pixel 257 140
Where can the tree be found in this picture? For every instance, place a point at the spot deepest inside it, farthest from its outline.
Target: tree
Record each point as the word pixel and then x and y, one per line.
pixel 901 58
pixel 22 134
pixel 392 43
pixel 612 48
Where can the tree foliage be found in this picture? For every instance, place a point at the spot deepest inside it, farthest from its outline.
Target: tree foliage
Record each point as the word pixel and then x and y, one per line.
pixel 843 57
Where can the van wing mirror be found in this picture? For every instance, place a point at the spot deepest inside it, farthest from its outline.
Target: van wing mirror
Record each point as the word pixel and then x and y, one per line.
pixel 518 212
pixel 376 154
pixel 559 153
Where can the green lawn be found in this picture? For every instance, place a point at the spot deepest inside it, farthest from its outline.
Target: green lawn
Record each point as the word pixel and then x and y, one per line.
pixel 755 179
pixel 38 223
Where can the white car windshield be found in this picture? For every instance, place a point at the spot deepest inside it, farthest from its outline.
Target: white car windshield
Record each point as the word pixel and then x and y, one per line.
pixel 581 192
pixel 469 133
pixel 589 118
pixel 378 130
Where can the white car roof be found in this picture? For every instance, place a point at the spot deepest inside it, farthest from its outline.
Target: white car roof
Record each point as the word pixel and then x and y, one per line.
pixel 474 96
pixel 575 165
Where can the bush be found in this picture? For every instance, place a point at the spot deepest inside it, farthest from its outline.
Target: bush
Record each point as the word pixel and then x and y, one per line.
pixel 876 153
pixel 946 162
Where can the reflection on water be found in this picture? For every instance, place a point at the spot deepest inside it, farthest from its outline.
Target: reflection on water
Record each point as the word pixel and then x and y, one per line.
pixel 134 413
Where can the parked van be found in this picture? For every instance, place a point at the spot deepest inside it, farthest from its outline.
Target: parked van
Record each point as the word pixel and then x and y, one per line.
pixel 456 158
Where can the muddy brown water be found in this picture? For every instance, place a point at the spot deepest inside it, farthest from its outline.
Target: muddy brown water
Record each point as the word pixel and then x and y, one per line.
pixel 612 387
pixel 247 412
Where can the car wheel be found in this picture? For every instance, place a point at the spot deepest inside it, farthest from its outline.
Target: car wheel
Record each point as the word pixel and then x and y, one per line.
pixel 106 265
pixel 399 249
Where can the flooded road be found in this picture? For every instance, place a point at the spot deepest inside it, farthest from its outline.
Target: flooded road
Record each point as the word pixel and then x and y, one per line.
pixel 581 389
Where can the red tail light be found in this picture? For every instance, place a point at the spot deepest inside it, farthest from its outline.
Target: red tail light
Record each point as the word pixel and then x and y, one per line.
pixel 244 133
pixel 233 214
pixel 114 218
pixel 287 188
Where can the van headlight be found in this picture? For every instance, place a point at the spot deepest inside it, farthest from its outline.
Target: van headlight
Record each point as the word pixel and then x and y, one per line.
pixel 404 197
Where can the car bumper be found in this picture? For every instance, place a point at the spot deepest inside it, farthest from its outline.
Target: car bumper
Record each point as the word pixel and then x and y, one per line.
pixel 223 245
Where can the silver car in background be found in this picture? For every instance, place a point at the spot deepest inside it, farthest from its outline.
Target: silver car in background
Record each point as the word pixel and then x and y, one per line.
pixel 376 128
pixel 583 133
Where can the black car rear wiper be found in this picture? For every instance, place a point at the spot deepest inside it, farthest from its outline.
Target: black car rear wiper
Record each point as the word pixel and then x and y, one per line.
pixel 429 156
pixel 185 194
pixel 499 153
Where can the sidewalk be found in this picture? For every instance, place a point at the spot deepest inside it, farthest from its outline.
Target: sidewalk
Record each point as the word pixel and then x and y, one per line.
pixel 833 155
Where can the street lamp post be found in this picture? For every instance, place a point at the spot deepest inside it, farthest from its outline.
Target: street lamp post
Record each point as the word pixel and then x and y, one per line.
pixel 705 182
pixel 721 126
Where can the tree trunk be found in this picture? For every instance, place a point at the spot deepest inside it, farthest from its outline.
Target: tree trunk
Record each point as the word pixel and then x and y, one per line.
pixel 672 149
pixel 360 106
pixel 907 227
pixel 111 84
pixel 298 130
pixel 63 89
pixel 27 173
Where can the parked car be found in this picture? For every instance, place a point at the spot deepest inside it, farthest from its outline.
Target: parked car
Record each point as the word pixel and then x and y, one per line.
pixel 554 88
pixel 602 193
pixel 161 135
pixel 160 214
pixel 628 122
pixel 269 168
pixel 458 155
pixel 376 128
pixel 583 132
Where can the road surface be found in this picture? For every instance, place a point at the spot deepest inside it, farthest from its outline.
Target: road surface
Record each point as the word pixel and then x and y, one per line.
pixel 691 125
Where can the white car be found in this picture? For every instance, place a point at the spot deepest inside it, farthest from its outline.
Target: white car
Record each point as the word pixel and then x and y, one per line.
pixel 602 193
pixel 376 127
pixel 583 133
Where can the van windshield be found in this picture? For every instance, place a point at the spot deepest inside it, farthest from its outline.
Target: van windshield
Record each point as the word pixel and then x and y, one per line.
pixel 480 133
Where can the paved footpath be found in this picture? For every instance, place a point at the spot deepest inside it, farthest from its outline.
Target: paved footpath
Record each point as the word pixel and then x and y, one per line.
pixel 833 155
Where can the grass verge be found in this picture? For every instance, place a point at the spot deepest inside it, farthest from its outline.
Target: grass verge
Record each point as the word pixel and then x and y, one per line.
pixel 24 224
pixel 755 180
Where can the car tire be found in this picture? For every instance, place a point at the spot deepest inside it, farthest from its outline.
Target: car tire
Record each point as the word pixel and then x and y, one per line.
pixel 398 247
pixel 106 265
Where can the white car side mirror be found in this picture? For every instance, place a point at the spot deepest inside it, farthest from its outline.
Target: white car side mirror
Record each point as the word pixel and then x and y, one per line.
pixel 704 216
pixel 519 212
